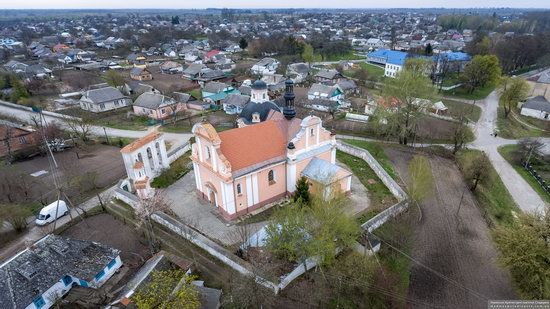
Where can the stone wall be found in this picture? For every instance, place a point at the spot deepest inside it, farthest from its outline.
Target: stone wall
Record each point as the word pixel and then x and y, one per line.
pixel 213 248
pixel 175 153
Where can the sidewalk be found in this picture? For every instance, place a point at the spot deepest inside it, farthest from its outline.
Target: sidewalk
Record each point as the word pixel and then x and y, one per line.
pixel 34 232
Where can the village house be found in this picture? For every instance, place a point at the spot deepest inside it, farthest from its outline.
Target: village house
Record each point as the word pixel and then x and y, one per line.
pixel 244 169
pixel 156 106
pixel 266 65
pixel 332 76
pixel 193 70
pixel 141 74
pixel 215 92
pixel 298 72
pixel 36 277
pixel 537 107
pixel 320 91
pixel 103 99
pixel 137 60
pixel 15 138
pixel 234 103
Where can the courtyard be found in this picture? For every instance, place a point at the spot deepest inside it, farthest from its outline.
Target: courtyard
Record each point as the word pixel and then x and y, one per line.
pixel 205 218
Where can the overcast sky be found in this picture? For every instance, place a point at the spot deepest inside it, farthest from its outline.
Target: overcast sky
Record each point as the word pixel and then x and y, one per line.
pixel 63 4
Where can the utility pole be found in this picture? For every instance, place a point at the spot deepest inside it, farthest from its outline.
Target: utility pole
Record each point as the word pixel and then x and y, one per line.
pixel 106 137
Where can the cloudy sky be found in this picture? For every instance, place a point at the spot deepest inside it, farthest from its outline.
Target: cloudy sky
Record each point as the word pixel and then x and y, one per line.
pixel 55 4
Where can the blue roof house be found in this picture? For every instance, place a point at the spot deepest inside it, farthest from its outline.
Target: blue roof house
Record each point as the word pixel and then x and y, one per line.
pixel 392 60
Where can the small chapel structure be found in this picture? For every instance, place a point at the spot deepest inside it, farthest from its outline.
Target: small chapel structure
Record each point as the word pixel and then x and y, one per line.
pixel 144 159
pixel 243 169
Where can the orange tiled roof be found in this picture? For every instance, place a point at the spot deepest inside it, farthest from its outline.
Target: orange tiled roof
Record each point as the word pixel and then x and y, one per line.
pixel 252 144
pixel 141 184
pixel 140 142
pixel 138 165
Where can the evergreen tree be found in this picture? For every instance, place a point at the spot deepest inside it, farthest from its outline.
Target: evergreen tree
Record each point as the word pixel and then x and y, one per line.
pixel 428 51
pixel 302 191
pixel 243 43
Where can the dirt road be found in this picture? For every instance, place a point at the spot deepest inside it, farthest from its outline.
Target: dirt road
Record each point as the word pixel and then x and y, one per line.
pixel 459 247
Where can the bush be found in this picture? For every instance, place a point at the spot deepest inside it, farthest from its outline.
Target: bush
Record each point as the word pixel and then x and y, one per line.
pixel 16 215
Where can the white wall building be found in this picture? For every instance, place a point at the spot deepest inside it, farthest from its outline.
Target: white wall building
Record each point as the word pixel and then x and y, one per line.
pixel 145 159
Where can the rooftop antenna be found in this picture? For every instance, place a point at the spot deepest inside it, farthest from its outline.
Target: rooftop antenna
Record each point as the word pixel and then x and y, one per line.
pixel 55 176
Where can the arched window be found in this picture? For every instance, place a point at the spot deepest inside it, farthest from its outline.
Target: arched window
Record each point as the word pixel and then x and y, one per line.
pixel 271 177
pixel 263 96
pixel 239 190
pixel 207 153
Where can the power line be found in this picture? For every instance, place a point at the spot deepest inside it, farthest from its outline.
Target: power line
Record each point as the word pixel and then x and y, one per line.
pixel 452 281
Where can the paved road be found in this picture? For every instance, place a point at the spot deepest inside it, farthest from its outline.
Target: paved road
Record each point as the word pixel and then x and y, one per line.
pixel 25 116
pixel 525 197
pixel 34 232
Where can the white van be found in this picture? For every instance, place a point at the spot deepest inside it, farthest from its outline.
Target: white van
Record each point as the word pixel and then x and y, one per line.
pixel 48 213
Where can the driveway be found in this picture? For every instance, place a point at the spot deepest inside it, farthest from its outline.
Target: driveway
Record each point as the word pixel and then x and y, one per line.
pixel 523 194
pixel 201 215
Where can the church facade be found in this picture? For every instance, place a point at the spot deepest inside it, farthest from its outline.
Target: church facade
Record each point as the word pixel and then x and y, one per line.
pixel 243 169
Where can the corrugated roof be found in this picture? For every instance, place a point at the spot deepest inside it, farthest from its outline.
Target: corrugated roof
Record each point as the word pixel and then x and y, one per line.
pixel 104 94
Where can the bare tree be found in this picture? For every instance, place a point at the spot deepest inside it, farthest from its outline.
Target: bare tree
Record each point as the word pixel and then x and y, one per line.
pixel 145 209
pixel 81 126
pixel 460 133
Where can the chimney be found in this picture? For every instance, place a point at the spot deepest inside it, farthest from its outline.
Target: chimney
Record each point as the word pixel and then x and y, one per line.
pixel 289 112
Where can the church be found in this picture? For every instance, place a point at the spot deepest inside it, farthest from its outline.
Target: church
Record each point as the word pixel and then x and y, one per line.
pixel 243 169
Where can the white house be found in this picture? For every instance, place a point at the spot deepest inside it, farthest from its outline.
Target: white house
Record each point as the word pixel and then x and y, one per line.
pixel 37 276
pixel 375 43
pixel 392 60
pixel 321 91
pixel 103 99
pixel 265 66
pixel 537 107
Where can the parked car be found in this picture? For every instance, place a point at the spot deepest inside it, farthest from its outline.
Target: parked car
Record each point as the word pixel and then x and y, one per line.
pixel 52 212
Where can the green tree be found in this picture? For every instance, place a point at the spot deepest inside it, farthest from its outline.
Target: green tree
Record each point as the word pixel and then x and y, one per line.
pixel 477 170
pixel 168 289
pixel 298 233
pixel 302 196
pixel 405 90
pixel 482 70
pixel 114 79
pixel 525 251
pixel 512 91
pixel 18 89
pixel 420 179
pixel 175 20
pixel 243 43
pixel 308 54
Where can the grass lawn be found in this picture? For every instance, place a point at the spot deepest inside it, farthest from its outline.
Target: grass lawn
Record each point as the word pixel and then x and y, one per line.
pixel 123 122
pixel 511 128
pixel 478 94
pixel 377 151
pixel 177 170
pixel 374 72
pixel 471 111
pixel 507 153
pixel 380 196
pixel 349 56
pixel 492 194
